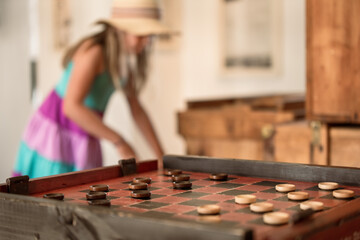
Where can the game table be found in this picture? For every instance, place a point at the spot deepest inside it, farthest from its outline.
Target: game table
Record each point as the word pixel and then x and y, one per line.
pixel 171 213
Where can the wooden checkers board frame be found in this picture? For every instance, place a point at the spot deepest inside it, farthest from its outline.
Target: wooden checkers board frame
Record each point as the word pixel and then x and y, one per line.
pixel 32 217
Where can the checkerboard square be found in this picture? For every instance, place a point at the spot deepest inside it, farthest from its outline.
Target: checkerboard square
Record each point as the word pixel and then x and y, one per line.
pixel 149 205
pixel 228 185
pixel 177 209
pixel 268 183
pixel 210 190
pixel 170 199
pixel 197 202
pixel 157 214
pixel 190 194
pixel 217 197
pixel 236 192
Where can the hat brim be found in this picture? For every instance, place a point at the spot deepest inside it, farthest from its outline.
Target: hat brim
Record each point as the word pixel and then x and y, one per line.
pixel 140 26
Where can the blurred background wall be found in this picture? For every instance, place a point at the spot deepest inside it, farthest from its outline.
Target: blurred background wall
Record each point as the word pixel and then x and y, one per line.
pixel 15 104
pixel 202 32
pixel 186 71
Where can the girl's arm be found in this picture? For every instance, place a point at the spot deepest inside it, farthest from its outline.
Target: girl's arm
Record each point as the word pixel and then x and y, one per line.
pixel 88 62
pixel 143 121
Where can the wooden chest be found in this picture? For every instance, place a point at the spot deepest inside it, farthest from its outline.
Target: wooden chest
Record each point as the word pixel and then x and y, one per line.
pixel 234 128
pixel 317 143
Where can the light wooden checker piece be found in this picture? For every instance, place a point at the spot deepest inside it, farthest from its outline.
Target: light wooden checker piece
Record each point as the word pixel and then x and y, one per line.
pixel 298 196
pixel 209 209
pixel 209 218
pixel 276 218
pixel 343 193
pixel 314 205
pixel 261 207
pixel 245 199
pixel 285 187
pixel 328 185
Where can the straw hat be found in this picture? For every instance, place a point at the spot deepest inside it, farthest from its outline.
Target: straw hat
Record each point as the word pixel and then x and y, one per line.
pixel 138 17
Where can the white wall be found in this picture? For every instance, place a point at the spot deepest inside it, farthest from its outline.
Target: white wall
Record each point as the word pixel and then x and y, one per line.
pixel 201 76
pixel 14 80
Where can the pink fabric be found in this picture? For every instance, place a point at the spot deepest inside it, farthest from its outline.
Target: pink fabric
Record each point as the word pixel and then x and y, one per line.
pixel 52 109
pixel 60 144
pixel 15 174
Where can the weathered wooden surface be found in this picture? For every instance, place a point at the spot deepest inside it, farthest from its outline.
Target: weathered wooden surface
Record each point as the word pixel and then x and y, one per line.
pixel 227 148
pixel 23 217
pixel 345 146
pixel 333 60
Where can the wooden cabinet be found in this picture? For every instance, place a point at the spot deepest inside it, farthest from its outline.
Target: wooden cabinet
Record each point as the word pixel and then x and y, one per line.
pixel 333 61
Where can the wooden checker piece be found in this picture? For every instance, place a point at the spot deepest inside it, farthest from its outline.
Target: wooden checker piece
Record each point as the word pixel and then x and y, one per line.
pixel 171 172
pixel 142 180
pixel 209 218
pixel 218 176
pixel 180 178
pixel 298 196
pixel 328 185
pixel 182 185
pixel 99 188
pixel 343 193
pixel 141 194
pixel 100 202
pixel 209 209
pixel 245 199
pixel 285 187
pixel 96 195
pixel 276 218
pixel 138 186
pixel 314 205
pixel 54 196
pixel 261 207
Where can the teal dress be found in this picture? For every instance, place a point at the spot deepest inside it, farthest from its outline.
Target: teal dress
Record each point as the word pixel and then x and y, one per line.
pixel 52 143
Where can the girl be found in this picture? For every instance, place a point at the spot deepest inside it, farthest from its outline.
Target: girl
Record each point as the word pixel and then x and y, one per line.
pixel 63 134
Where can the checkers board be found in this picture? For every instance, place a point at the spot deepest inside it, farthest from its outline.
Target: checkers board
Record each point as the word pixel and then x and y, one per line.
pixel 173 210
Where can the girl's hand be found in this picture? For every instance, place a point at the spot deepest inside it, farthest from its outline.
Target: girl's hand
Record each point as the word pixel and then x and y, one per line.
pixel 125 150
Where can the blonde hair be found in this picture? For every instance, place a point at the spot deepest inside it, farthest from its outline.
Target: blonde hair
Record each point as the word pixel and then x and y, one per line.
pixel 119 62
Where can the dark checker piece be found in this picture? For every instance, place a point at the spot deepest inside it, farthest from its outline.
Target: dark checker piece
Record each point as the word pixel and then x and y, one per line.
pixel 140 194
pixel 218 176
pixel 180 178
pixel 182 185
pixel 99 188
pixel 55 196
pixel 171 172
pixel 100 202
pixel 142 180
pixel 138 186
pixel 95 195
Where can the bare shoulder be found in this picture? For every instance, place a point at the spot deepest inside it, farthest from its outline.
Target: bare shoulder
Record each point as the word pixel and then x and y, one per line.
pixel 90 54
